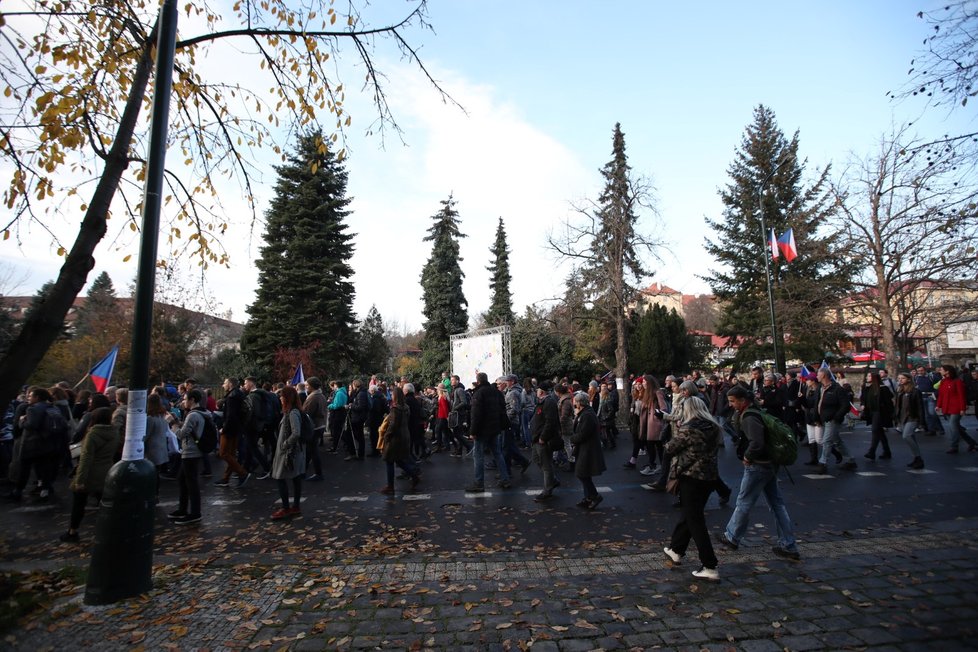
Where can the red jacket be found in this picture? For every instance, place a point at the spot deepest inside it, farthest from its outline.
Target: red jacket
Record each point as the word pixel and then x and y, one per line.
pixel 950 396
pixel 443 408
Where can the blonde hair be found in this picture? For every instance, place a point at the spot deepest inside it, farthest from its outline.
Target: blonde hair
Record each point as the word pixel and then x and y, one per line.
pixel 694 408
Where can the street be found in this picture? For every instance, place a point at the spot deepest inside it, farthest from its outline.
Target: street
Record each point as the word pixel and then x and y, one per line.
pixel 887 563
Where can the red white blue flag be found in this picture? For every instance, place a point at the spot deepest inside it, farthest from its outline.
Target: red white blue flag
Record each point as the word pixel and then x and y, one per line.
pixel 786 243
pixel 101 373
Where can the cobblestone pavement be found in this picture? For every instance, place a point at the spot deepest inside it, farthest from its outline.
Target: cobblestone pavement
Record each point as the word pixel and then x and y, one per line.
pixel 909 588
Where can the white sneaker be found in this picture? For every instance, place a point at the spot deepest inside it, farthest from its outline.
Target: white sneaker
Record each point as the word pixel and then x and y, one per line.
pixel 673 555
pixel 642 452
pixel 648 470
pixel 647 486
pixel 705 573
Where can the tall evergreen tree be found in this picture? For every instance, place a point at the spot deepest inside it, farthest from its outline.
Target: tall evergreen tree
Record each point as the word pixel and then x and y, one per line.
pixel 501 308
pixel 304 291
pixel 767 176
pixel 374 351
pixel 445 307
pixel 100 304
pixel 610 263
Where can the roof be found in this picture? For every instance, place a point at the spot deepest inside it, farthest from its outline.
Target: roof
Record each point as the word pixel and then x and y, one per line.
pixel 658 288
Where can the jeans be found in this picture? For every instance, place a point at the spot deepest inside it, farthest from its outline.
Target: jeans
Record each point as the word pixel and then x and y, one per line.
pixel 590 491
pixel 510 450
pixel 830 440
pixel 930 413
pixel 479 460
pixel 758 479
pixel 312 452
pixel 407 465
pixel 954 431
pixel 693 495
pixel 911 438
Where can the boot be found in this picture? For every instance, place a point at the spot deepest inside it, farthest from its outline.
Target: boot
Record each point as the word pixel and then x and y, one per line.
pixel 918 463
pixel 813 451
pixel 837 455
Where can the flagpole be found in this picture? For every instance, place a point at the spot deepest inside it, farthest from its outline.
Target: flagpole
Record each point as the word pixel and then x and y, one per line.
pixel 779 365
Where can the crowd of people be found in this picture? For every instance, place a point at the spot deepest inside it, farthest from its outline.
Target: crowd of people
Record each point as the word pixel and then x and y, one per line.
pixel 283 433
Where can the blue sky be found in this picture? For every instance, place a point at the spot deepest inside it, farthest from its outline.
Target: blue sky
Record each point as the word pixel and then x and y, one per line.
pixel 543 84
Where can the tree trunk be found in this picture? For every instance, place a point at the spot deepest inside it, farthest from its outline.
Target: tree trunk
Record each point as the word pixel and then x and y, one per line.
pixel 621 362
pixel 42 327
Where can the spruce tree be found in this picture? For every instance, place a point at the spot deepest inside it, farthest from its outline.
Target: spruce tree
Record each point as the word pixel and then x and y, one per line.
pixel 304 291
pixel 659 342
pixel 767 176
pixel 445 307
pixel 100 304
pixel 501 308
pixel 374 351
pixel 613 265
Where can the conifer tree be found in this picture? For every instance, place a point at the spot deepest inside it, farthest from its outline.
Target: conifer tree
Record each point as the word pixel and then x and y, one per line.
pixel 445 307
pixel 304 291
pixel 374 350
pixel 767 175
pixel 607 250
pixel 659 342
pixel 501 308
pixel 100 304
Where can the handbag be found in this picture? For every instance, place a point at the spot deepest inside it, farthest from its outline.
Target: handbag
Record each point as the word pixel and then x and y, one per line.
pixel 672 486
pixel 382 431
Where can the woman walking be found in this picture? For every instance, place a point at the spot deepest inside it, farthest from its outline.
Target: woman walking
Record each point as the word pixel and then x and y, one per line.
pixel 97 452
pixel 590 458
pixel 877 400
pixel 908 408
pixel 289 462
pixel 693 450
pixel 395 446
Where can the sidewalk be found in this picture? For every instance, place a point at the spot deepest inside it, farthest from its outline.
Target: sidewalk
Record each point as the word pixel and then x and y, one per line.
pixel 907 588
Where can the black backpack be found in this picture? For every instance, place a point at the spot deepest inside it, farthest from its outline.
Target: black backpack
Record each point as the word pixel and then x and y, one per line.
pixel 207 441
pixel 55 425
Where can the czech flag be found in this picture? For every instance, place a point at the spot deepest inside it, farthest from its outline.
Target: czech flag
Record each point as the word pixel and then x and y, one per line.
pixel 774 245
pixel 101 373
pixel 298 378
pixel 806 373
pixel 786 243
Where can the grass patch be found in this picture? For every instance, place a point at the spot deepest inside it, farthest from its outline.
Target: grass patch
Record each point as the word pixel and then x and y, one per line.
pixel 23 594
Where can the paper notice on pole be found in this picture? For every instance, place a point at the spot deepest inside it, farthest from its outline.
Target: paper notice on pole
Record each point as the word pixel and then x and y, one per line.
pixel 132 449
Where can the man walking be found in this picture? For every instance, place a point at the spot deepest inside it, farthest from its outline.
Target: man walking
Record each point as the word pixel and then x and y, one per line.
pixel 317 407
pixel 833 405
pixel 232 428
pixel 760 476
pixel 545 437
pixel 488 418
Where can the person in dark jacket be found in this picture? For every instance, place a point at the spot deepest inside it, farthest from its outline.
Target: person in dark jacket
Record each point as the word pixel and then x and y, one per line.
pixel 590 458
pixel 37 449
pixel 760 477
pixel 359 410
pixel 486 421
pixel 377 409
pixel 877 400
pixel 396 444
pixel 416 422
pixel 909 409
pixel 833 405
pixel 545 437
pixel 232 429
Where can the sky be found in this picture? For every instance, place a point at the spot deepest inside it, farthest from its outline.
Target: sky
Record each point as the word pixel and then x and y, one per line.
pixel 542 85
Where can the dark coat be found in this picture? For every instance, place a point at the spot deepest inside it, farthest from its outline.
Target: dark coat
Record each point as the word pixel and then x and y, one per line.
pixel 587 439
pixel 359 406
pixel 397 440
pixel 415 420
pixel 545 424
pixel 834 404
pixel 881 402
pixel 486 420
pixel 234 413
